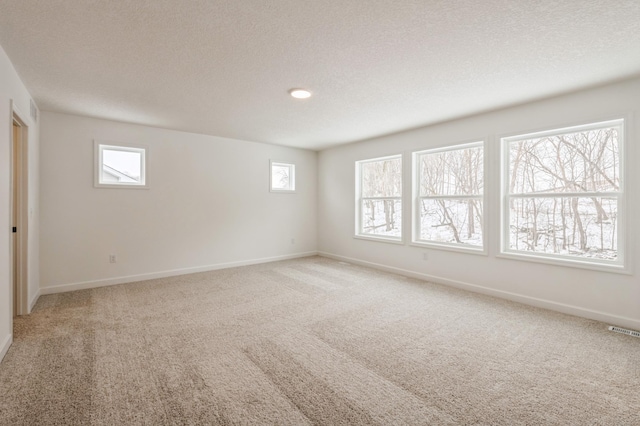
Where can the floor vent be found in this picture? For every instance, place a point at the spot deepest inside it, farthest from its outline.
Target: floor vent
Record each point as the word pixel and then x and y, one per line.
pixel 625 331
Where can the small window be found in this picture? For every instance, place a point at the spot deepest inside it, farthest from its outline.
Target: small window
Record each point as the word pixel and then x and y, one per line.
pixel 564 195
pixel 120 166
pixel 379 198
pixel 448 197
pixel 283 177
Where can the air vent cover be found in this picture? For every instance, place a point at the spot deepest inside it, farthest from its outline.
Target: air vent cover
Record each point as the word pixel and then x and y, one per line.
pixel 625 331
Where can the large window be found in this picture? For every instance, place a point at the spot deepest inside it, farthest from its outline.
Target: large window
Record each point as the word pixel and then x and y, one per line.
pixel 563 194
pixel 379 198
pixel 448 197
pixel 120 166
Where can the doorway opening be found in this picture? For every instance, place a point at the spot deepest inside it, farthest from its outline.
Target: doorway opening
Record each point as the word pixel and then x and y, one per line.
pixel 19 214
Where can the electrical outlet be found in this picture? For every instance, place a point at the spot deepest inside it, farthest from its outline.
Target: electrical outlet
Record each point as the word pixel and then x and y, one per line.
pixel 293 241
pixel 425 256
pixel 112 258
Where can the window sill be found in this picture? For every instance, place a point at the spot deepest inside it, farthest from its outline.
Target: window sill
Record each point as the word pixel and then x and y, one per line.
pixel 570 263
pixel 449 247
pixel 121 186
pixel 380 239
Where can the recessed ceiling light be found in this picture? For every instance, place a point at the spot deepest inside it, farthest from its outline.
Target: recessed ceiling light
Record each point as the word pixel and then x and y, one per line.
pixel 300 93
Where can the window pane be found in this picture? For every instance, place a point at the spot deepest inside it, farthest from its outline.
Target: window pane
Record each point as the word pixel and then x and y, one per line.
pixel 572 162
pixel 451 221
pixel 121 166
pixel 382 178
pixel 574 226
pixel 454 172
pixel 280 177
pixel 382 217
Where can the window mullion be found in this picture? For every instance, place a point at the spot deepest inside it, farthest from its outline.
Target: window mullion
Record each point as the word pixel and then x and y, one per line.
pixel 569 226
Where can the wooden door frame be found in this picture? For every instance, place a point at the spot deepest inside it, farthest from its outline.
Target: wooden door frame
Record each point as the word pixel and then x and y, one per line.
pixel 20 254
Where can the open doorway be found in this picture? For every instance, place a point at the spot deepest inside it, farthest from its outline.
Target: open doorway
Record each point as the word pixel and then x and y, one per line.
pixel 19 214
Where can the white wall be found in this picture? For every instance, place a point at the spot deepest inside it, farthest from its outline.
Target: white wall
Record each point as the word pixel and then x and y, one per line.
pixel 605 296
pixel 208 205
pixel 12 89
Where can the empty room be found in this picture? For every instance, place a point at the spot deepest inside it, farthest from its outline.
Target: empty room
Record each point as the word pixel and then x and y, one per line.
pixel 219 212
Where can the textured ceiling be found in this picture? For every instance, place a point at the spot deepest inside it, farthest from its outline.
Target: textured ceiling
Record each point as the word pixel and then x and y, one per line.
pixel 223 67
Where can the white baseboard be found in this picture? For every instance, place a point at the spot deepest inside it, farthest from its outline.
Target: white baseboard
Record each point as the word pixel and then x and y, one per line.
pixel 163 274
pixel 33 301
pixel 5 346
pixel 527 300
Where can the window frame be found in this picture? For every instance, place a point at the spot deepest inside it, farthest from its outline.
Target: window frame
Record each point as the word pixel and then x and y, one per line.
pixel 416 197
pixel 620 265
pixel 143 150
pixel 292 176
pixel 359 200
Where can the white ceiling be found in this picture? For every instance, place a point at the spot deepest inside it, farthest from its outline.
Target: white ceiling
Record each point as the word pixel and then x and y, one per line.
pixel 223 67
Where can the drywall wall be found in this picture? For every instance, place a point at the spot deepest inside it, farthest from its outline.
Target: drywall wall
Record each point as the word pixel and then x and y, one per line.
pixel 208 205
pixel 15 97
pixel 600 295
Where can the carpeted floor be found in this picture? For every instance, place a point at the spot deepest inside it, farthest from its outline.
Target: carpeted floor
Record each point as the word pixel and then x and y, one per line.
pixel 311 341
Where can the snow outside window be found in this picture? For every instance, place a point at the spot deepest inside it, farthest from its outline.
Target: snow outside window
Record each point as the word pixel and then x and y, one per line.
pixel 120 166
pixel 563 195
pixel 448 197
pixel 283 177
pixel 379 198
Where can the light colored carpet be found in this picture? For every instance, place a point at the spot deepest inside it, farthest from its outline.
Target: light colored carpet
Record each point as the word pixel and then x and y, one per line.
pixel 311 341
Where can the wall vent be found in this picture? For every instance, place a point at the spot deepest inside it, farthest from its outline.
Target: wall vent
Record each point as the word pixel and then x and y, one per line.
pixel 34 111
pixel 625 331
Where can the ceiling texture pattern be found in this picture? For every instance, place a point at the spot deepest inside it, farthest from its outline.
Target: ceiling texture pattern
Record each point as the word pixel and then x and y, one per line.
pixel 223 67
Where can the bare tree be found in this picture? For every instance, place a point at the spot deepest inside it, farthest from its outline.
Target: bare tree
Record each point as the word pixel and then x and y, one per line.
pixel 451 185
pixel 553 172
pixel 381 192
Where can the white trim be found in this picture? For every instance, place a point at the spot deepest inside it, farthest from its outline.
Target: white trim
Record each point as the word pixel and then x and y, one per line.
pixel 585 194
pixel 380 238
pixel 170 273
pixel 569 261
pixel 478 143
pixel 292 176
pixel 359 199
pixel 4 348
pixel 380 198
pixel 143 150
pixel 416 197
pixel 526 300
pixel 457 247
pixel 33 301
pixel 20 255
pixel 621 264
pixel 561 130
pixel 26 119
pixel 375 160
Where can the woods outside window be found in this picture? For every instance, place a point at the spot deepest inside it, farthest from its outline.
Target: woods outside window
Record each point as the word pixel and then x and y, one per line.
pixel 564 195
pixel 448 197
pixel 379 198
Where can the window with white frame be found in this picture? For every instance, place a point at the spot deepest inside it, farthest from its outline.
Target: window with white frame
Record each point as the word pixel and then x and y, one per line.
pixel 448 196
pixel 283 176
pixel 379 198
pixel 564 195
pixel 120 165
